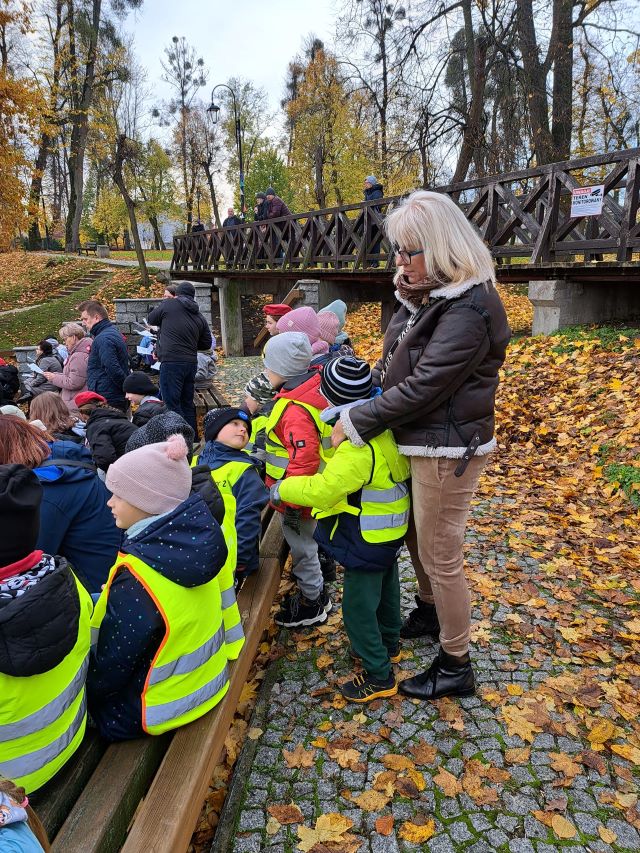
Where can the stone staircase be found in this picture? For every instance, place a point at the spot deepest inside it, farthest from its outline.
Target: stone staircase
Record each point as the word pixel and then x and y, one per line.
pixel 91 277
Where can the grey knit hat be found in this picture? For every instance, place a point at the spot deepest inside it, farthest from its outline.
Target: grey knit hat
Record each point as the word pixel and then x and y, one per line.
pixel 288 354
pixel 159 428
pixel 371 179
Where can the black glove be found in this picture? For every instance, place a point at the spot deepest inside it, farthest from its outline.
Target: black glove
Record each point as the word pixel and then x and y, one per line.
pixel 292 519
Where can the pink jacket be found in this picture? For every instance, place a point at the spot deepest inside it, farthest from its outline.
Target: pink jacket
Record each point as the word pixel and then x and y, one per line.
pixel 73 378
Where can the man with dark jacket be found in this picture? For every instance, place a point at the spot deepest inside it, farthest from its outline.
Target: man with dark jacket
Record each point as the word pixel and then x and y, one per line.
pixel 108 364
pixel 231 219
pixel 183 332
pixel 373 190
pixel 277 208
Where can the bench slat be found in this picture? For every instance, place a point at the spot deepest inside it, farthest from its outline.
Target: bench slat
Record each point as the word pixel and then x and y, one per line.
pixel 100 818
pixel 196 748
pixel 54 801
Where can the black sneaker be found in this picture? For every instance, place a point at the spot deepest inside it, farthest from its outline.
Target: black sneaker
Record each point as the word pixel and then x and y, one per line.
pixel 327 565
pixel 362 688
pixel 421 622
pixel 298 611
pixel 326 600
pixel 447 676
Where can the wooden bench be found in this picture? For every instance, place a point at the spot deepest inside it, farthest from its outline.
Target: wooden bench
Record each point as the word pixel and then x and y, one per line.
pixel 146 795
pixel 88 247
pixel 205 399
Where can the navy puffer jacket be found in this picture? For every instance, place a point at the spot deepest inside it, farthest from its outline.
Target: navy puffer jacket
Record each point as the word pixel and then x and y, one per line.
pixel 108 364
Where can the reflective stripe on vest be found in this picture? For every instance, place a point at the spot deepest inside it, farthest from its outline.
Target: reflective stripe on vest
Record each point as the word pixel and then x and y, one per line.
pixel 277 457
pixel 225 477
pixel 188 675
pixel 43 717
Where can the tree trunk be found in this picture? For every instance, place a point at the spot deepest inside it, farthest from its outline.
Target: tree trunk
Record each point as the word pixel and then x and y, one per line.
pixel 472 137
pixel 318 164
pixel 534 84
pixel 212 193
pixel 80 126
pixel 562 79
pixel 158 242
pixel 118 178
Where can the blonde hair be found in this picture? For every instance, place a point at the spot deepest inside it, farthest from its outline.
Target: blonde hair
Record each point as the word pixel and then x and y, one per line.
pixel 71 329
pixel 453 249
pixel 50 408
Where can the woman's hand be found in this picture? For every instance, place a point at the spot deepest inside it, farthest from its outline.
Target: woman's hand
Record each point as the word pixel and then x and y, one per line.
pixel 48 375
pixel 338 435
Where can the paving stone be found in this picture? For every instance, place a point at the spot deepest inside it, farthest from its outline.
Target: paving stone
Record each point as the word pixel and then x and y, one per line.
pixel 479 822
pixel 255 797
pixel 628 837
pixel 450 807
pixel 251 819
pixel 533 828
pixel 496 837
pixel 521 845
pixel 440 844
pixel 459 831
pixel 586 823
pixel 481 847
pixel 402 811
pixel 383 844
pixel 522 775
pixel 507 822
pixel 248 844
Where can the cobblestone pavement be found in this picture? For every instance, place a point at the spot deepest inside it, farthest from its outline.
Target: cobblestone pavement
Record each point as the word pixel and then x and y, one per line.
pixel 234 373
pixel 519 768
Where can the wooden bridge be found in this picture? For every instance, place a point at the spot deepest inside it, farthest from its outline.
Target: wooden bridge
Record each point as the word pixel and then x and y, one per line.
pixel 524 217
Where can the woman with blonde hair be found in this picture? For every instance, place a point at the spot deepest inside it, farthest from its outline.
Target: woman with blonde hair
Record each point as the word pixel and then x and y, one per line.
pixel 73 378
pixel 438 373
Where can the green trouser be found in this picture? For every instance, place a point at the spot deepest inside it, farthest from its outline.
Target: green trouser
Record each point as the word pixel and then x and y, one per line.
pixel 371 616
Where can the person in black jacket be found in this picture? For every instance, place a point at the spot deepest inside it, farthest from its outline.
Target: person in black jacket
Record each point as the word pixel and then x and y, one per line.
pixel 108 363
pixel 9 382
pixel 373 190
pixel 231 219
pixel 141 391
pixel 183 332
pixel 108 429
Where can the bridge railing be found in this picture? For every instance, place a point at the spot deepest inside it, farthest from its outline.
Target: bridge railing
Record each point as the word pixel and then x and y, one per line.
pixel 524 217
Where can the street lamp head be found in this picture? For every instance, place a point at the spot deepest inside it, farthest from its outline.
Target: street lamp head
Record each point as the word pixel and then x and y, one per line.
pixel 213 111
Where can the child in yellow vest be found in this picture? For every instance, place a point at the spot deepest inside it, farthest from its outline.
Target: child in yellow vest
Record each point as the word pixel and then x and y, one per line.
pixel 160 660
pixel 361 502
pixel 227 431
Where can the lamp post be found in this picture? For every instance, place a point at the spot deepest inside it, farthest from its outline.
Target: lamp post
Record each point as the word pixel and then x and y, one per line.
pixel 213 110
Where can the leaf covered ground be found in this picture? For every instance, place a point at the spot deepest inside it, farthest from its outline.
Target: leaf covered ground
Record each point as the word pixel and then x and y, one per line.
pixel 547 755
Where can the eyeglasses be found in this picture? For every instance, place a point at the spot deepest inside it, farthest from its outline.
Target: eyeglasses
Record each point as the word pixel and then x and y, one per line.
pixel 404 255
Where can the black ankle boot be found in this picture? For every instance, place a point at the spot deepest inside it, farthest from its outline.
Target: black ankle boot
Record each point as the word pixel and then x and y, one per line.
pixel 327 566
pixel 421 622
pixel 447 676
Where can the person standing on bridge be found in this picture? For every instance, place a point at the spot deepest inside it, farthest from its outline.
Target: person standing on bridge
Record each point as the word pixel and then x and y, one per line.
pixel 231 219
pixel 373 190
pixel 438 373
pixel 183 333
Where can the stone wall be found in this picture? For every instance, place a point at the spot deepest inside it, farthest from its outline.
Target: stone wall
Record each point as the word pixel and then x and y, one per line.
pixel 24 356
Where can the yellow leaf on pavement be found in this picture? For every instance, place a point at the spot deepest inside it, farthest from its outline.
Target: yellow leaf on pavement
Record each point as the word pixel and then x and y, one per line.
pixel 299 757
pixel 370 801
pixel 447 782
pixel 562 827
pixel 329 827
pixel 607 835
pixel 416 833
pixel 631 753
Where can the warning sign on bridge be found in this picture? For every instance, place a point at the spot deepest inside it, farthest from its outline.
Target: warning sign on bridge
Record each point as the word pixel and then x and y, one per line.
pixel 587 201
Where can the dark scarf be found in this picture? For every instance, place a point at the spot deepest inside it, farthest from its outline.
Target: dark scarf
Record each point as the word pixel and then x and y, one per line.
pixel 418 292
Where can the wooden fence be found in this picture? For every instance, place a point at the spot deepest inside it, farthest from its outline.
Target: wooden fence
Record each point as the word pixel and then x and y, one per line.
pixel 524 217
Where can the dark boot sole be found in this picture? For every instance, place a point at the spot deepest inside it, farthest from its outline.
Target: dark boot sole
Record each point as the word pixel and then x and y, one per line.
pixel 460 694
pixel 303 623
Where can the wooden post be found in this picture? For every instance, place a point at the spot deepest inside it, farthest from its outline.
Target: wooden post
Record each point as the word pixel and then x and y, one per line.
pixel 230 315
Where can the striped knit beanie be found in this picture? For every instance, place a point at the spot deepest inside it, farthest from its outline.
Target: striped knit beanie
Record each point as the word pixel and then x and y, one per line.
pixel 345 380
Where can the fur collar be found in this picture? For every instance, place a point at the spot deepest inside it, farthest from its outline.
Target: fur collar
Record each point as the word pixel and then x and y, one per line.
pixel 449 292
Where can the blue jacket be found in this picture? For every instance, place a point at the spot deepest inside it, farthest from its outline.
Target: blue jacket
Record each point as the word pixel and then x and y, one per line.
pixel 108 364
pixel 186 546
pixel 251 496
pixel 75 520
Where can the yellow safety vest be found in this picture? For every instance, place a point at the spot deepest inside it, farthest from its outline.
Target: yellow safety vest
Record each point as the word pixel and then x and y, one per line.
pixel 384 504
pixel 258 425
pixel 188 675
pixel 225 477
pixel 277 460
pixel 43 717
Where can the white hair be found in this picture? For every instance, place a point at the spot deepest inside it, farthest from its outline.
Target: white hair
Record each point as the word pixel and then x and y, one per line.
pixel 453 249
pixel 71 330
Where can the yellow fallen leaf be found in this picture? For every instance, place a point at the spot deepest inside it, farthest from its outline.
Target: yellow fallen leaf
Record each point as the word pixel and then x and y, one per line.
pixel 607 835
pixel 272 826
pixel 326 726
pixel 562 827
pixel 397 762
pixel 371 801
pixel 254 733
pixel 416 833
pixel 324 661
pixel 360 718
pixel 299 757
pixel 603 731
pixel 631 753
pixel 329 827
pixel 320 742
pixel 514 690
pixel 518 755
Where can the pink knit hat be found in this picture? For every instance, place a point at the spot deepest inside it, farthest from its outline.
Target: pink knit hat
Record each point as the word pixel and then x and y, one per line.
pixel 155 478
pixel 303 320
pixel 329 326
pixel 319 347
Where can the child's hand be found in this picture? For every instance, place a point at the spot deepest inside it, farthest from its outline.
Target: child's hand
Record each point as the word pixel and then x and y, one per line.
pixel 338 434
pixel 274 494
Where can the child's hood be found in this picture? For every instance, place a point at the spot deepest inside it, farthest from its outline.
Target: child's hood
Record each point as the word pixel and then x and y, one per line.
pixel 305 389
pixel 186 545
pixel 11 811
pixel 215 454
pixel 72 451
